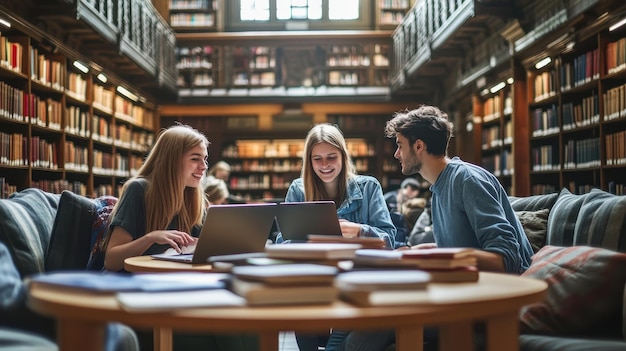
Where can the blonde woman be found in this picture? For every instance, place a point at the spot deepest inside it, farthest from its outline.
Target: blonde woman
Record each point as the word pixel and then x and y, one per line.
pixel 163 205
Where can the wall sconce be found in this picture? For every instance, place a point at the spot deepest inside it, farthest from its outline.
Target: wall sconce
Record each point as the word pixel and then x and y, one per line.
pixel 101 77
pixel 81 66
pixel 543 62
pixel 125 92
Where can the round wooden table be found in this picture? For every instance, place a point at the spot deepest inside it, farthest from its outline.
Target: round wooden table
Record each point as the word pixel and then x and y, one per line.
pixel 495 299
pixel 147 264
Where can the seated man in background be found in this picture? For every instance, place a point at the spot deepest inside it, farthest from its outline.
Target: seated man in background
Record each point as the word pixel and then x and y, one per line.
pixel 409 189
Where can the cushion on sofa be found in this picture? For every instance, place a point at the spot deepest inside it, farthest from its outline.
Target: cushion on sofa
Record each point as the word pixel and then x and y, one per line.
pixel 533 203
pixel 26 220
pixel 78 226
pixel 535 224
pixel 562 219
pixel 70 239
pixel 602 221
pixel 584 297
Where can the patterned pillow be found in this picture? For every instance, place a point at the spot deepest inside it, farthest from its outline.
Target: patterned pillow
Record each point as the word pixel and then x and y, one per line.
pixel 99 232
pixel 26 220
pixel 585 287
pixel 602 221
pixel 535 224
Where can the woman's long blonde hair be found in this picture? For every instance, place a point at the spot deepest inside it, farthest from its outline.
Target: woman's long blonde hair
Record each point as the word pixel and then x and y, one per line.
pixel 313 186
pixel 166 193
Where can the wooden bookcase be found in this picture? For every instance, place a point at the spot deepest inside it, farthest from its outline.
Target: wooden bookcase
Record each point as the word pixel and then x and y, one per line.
pixel 202 67
pixel 578 117
pixel 62 128
pixel 193 15
pixel 390 13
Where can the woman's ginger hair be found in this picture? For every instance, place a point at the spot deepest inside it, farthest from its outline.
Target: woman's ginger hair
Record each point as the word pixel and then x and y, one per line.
pixel 313 186
pixel 166 193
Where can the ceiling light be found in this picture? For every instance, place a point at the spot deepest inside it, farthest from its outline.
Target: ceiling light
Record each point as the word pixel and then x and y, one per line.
pixel 120 89
pixel 544 62
pixel 5 23
pixel 81 66
pixel 510 80
pixel 617 25
pixel 497 87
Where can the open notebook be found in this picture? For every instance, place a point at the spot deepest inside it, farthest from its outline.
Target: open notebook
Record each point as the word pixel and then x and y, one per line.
pixel 296 220
pixel 230 229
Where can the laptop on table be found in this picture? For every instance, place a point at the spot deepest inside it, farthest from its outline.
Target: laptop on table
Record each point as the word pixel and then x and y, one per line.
pixel 230 229
pixel 296 220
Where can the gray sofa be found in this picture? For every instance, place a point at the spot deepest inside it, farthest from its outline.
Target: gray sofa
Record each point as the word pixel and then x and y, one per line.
pixel 579 242
pixel 43 232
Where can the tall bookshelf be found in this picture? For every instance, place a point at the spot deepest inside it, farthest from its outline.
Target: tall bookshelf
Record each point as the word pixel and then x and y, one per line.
pixel 61 127
pixel 493 112
pixel 578 117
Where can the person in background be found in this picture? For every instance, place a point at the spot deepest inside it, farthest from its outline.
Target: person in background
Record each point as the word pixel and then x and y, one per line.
pixel 164 206
pixel 469 206
pixel 409 189
pixel 220 170
pixel 216 191
pixel 329 174
pixel 395 199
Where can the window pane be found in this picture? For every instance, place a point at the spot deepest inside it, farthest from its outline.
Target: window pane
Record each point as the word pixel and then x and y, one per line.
pixel 283 9
pixel 343 9
pixel 298 13
pixel 254 10
pixel 315 9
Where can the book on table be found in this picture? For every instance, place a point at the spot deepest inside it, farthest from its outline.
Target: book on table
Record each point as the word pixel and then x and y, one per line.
pixel 312 251
pixel 384 287
pixel 122 282
pixel 173 300
pixel 285 284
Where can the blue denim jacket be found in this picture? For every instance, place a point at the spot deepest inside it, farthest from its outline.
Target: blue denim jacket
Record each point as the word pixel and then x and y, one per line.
pixel 365 204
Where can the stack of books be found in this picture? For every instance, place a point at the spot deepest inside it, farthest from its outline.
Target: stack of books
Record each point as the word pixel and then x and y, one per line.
pixel 443 264
pixel 384 287
pixel 285 284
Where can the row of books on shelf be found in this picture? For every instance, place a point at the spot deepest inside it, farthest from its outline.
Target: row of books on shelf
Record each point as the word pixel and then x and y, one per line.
pixel 616 148
pixel 581 70
pixel 491 136
pixel 583 153
pixel 499 164
pixel 581 115
pixel 288 274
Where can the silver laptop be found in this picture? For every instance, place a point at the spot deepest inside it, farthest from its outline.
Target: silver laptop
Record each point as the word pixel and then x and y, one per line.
pixel 296 220
pixel 230 229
